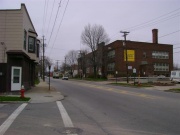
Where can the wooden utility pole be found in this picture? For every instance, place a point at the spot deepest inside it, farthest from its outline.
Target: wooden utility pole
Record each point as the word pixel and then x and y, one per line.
pixel 57 65
pixel 125 33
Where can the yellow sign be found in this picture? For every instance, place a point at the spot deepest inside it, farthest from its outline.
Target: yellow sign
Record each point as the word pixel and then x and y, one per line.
pixel 130 55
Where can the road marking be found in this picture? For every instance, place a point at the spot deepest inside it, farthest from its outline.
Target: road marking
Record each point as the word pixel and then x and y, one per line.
pixel 66 119
pixel 11 118
pixel 118 91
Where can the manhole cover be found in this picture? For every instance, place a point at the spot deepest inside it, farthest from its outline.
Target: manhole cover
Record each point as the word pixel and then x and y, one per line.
pixel 70 130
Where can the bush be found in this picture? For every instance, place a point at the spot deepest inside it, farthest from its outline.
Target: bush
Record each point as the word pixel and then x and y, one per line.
pixel 37 81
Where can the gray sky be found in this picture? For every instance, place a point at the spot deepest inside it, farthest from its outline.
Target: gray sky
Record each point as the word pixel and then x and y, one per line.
pixel 113 15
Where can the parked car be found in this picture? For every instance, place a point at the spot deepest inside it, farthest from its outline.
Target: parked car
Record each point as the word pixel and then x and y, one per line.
pixel 65 78
pixel 161 76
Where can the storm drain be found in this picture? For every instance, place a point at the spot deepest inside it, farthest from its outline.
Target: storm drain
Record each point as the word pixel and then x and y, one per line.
pixel 70 130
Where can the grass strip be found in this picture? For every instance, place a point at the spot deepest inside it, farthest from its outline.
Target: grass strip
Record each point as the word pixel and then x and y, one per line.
pixel 176 90
pixel 13 98
pixel 132 85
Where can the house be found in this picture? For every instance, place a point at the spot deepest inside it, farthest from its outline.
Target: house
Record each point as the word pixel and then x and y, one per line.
pixel 19 50
pixel 147 59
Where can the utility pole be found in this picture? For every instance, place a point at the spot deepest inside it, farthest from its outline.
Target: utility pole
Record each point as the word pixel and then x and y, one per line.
pixel 43 60
pixel 57 64
pixel 125 33
pixel 65 66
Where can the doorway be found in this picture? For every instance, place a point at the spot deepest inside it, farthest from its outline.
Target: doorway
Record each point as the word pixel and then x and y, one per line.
pixel 16 73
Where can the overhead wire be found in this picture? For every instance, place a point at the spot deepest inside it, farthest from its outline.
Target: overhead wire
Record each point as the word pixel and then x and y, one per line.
pixel 44 18
pixel 59 27
pixel 154 21
pixel 50 16
pixel 55 21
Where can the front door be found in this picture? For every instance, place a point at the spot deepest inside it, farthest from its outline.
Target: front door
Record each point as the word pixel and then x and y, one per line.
pixel 16 73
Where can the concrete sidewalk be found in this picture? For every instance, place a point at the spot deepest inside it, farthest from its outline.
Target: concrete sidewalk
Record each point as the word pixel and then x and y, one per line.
pixel 41 93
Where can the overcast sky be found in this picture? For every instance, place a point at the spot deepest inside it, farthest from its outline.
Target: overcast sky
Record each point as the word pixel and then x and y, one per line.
pixel 138 17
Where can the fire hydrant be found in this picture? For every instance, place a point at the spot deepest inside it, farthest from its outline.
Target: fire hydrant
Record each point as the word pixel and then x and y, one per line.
pixel 22 91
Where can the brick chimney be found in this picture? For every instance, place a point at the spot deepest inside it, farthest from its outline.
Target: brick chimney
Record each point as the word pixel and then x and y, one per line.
pixel 155 36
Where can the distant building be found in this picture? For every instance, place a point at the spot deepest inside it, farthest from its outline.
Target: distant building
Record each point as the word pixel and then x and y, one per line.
pixel 19 50
pixel 147 58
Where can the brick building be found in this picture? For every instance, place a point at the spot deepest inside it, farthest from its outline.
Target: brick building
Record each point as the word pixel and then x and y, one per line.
pixel 147 58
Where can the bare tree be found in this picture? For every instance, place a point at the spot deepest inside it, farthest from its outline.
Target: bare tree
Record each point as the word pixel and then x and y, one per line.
pixel 176 66
pixel 47 62
pixel 71 60
pixel 82 62
pixel 92 36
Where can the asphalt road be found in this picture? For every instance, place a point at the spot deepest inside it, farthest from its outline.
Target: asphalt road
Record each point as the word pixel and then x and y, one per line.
pixel 91 108
pixel 97 109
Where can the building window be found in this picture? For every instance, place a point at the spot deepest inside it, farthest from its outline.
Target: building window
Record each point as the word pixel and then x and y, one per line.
pixel 110 66
pixel 25 37
pixel 160 55
pixel 111 54
pixel 161 67
pixel 31 44
pixel 144 54
pixel 37 50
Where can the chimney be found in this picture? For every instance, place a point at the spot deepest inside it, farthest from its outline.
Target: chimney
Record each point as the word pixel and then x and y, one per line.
pixel 155 36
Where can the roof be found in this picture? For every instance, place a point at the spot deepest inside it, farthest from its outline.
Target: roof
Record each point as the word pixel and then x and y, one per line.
pixel 23 5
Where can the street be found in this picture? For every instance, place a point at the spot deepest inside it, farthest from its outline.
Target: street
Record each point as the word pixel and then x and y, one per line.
pixel 93 108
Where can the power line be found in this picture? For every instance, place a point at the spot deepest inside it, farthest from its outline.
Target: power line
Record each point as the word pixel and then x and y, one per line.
pixel 157 18
pixel 153 21
pixel 54 21
pixel 44 18
pixel 59 27
pixel 167 34
pixel 50 16
pixel 46 13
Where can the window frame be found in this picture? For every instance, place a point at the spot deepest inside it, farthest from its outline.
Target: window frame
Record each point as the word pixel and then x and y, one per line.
pixel 160 54
pixel 25 39
pixel 33 46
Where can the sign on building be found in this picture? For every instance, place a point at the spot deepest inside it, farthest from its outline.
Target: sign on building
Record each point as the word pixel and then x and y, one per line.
pixel 130 55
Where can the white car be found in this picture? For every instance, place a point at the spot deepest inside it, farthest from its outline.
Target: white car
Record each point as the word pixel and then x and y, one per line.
pixel 65 78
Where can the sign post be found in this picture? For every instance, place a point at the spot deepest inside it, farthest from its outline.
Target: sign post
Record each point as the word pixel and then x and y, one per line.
pixel 49 76
pixel 134 73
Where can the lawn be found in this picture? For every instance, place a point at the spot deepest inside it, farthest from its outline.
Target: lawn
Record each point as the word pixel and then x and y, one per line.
pixel 13 98
pixel 176 90
pixel 132 84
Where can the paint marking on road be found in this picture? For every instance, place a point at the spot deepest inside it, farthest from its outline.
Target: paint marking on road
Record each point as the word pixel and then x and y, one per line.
pixel 119 91
pixel 11 118
pixel 66 119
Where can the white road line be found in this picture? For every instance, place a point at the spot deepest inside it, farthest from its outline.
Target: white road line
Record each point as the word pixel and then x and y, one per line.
pixel 11 118
pixel 66 119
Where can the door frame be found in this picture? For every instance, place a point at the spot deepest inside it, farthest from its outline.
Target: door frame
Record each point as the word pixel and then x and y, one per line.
pixel 16 86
